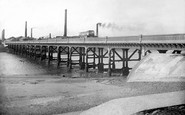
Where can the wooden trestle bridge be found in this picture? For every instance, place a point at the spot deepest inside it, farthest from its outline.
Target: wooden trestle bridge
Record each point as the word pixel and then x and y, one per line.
pixel 97 49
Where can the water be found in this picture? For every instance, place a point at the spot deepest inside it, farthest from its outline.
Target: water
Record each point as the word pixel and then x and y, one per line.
pixel 11 64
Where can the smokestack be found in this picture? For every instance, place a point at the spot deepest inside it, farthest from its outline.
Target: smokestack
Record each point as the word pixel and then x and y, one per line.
pixel 65 24
pixel 97 28
pixel 50 35
pixel 31 32
pixel 26 29
pixel 3 35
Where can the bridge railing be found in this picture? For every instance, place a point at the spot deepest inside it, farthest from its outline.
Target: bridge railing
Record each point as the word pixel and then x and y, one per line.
pixel 168 38
pixel 124 39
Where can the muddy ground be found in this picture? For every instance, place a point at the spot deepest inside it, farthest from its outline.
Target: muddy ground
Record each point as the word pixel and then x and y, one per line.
pixel 46 95
pixel 57 94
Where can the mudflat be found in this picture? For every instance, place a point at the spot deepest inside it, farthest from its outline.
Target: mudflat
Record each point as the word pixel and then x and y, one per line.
pixel 31 87
pixel 46 94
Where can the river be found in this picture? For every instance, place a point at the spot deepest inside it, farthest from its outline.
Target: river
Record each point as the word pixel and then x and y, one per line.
pixel 11 64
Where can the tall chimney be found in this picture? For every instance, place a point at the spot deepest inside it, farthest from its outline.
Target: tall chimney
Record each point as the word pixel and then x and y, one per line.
pixel 31 32
pixel 97 28
pixel 50 35
pixel 65 24
pixel 26 29
pixel 3 35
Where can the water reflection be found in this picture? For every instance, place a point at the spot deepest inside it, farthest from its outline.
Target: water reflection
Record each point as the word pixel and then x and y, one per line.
pixel 11 64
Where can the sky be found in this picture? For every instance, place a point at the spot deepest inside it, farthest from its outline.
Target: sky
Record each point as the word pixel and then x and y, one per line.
pixel 118 17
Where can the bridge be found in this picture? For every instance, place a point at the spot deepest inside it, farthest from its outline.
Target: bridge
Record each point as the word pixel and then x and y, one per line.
pixel 91 52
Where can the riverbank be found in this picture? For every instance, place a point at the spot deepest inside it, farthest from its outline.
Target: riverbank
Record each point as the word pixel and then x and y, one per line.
pixel 29 86
pixel 43 94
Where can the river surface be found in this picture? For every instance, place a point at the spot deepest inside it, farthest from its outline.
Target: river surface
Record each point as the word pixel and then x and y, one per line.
pixel 11 65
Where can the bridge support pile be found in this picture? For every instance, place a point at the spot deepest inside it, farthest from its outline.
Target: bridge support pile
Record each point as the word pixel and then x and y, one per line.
pixel 100 53
pixel 109 58
pixel 102 59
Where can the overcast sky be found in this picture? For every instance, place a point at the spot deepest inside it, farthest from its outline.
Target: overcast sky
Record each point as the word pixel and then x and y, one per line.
pixel 120 17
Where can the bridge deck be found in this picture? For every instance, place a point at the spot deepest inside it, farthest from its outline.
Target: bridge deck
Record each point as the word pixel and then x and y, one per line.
pixel 168 41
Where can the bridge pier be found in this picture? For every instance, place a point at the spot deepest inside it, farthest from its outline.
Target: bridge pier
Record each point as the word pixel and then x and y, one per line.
pixel 82 57
pixel 69 59
pixel 79 53
pixel 100 60
pixel 50 54
pixel 86 57
pixel 114 57
pixel 76 53
pixel 90 58
pixel 24 50
pixel 27 50
pixel 63 55
pixel 12 48
pixel 43 52
pixel 19 49
pixel 51 51
pixel 109 67
pixel 125 59
pixel 94 58
pixel 15 49
pixel 32 51
pixel 37 51
pixel 58 56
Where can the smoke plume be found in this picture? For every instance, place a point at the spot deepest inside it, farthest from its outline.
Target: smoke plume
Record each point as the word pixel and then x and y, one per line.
pixel 125 27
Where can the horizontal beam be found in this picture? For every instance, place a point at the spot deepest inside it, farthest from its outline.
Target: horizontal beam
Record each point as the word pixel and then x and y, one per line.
pixel 168 41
